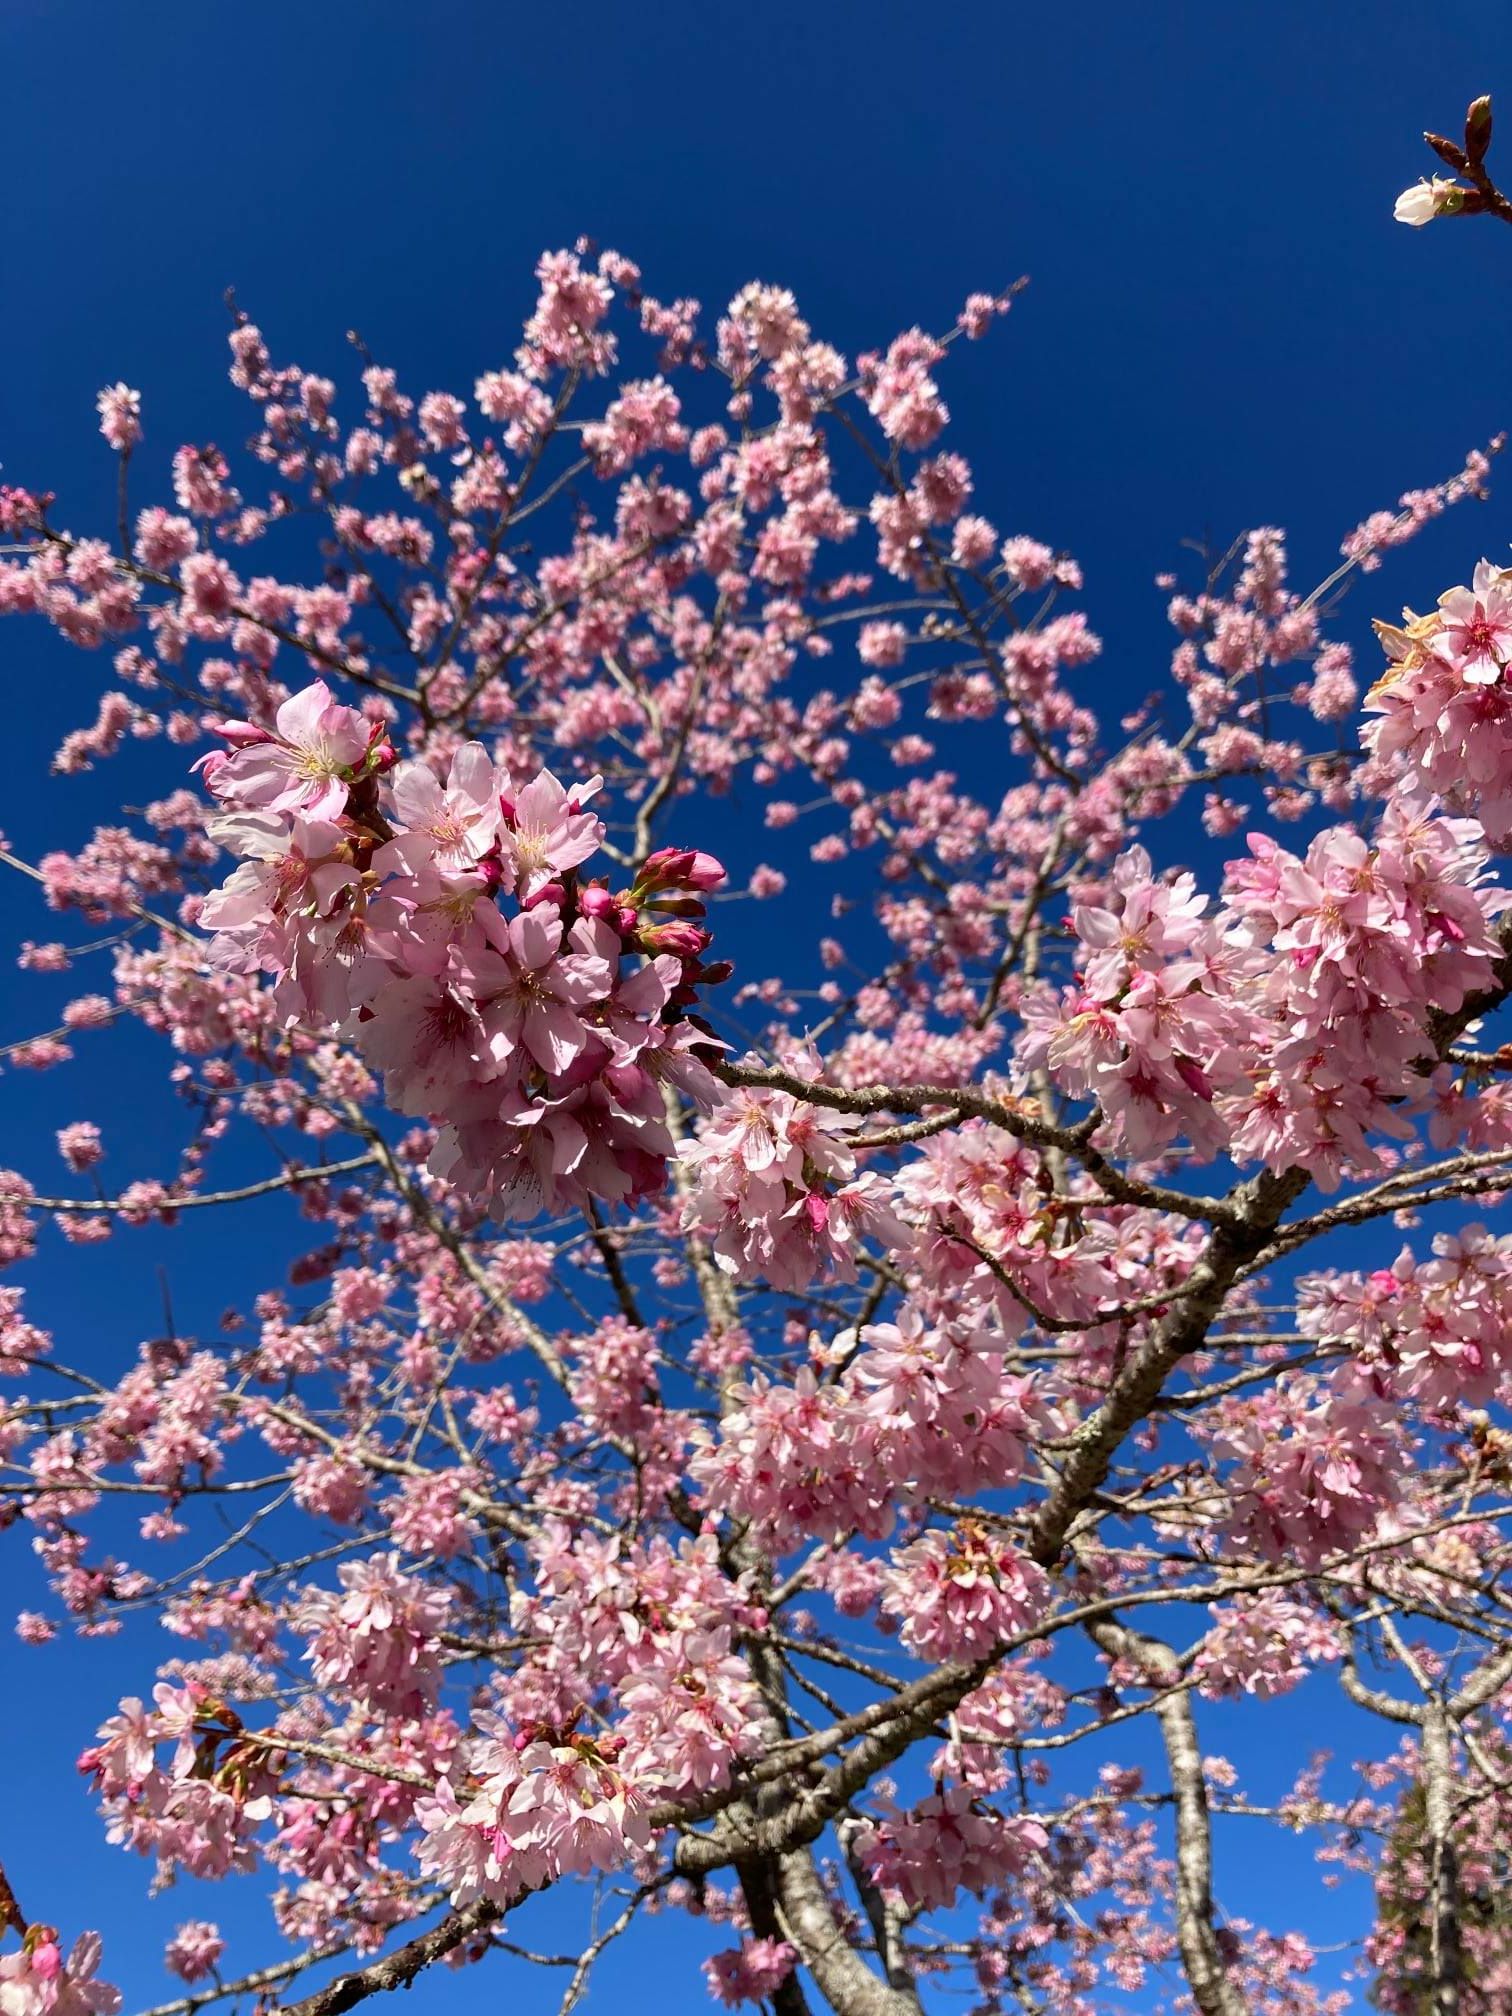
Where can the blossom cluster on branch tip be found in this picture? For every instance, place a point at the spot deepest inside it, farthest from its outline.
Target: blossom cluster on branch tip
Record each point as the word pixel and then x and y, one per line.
pixel 751 1972
pixel 948 1843
pixel 1289 1026
pixel 38 1981
pixel 447 929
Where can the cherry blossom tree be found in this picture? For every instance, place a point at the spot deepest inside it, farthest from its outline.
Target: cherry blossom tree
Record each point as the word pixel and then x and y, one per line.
pixel 767 1448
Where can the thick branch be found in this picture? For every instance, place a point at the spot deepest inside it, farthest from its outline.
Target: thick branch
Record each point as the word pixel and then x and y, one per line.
pixel 1213 1988
pixel 399 1968
pixel 850 1987
pixel 1446 1956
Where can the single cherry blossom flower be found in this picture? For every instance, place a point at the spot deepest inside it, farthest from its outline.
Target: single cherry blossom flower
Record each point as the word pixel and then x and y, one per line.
pixel 304 766
pixel 452 825
pixel 546 831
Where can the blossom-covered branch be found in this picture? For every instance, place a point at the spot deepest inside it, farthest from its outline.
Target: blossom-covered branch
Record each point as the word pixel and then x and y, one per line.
pixel 704 1422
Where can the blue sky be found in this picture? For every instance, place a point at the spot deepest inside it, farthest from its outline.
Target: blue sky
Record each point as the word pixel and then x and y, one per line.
pixel 1224 328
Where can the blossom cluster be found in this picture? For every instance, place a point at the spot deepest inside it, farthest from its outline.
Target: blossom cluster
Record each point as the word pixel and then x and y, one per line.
pixel 1444 705
pixel 1263 1645
pixel 378 1641
pixel 1437 1330
pixel 957 1596
pixel 652 1629
pixel 202 1810
pixel 445 927
pixel 949 1842
pixel 751 1972
pixel 775 1190
pixel 1289 1025
pixel 532 1812
pixel 1317 1464
pixel 917 1408
pixel 38 1981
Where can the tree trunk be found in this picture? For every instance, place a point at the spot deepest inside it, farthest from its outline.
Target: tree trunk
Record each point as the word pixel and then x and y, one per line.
pixel 1445 1953
pixel 1213 1988
pixel 846 1982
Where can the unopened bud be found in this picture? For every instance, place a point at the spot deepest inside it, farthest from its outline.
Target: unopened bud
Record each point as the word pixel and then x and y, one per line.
pixel 678 868
pixel 682 940
pixel 596 901
pixel 45 1954
pixel 1426 200
pixel 1452 155
pixel 1478 129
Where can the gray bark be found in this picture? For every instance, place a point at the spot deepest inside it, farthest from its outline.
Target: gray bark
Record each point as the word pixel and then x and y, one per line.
pixel 1446 1954
pixel 847 1983
pixel 1213 1988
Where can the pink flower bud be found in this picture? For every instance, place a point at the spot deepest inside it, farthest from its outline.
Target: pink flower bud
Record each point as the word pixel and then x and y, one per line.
pixel 684 941
pixel 663 869
pixel 678 868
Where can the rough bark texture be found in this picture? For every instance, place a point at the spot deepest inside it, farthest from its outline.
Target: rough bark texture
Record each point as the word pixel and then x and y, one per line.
pixel 1212 1986
pixel 887 1919
pixel 1446 1955
pixel 844 1979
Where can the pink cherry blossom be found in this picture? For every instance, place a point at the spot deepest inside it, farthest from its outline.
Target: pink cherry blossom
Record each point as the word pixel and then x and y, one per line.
pixel 456 823
pixel 546 831
pixel 37 1981
pixel 305 764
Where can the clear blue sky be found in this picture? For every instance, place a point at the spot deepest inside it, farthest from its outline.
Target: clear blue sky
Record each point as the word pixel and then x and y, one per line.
pixel 1224 329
